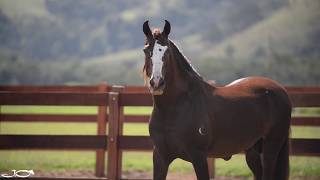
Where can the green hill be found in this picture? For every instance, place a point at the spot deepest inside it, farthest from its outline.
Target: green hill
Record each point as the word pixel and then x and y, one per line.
pixel 292 30
pixel 283 47
pixel 85 42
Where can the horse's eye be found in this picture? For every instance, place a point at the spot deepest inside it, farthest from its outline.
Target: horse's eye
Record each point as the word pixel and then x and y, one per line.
pixel 160 50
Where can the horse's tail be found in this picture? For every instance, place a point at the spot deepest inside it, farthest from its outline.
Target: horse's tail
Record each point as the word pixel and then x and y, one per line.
pixel 282 167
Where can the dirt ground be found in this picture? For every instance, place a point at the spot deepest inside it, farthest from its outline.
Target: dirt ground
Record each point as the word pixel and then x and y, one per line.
pixel 125 175
pixel 144 175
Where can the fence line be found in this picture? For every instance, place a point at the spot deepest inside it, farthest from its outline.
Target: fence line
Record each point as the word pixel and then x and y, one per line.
pixel 296 121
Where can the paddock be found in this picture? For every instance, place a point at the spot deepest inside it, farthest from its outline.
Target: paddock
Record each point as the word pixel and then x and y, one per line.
pixel 111 100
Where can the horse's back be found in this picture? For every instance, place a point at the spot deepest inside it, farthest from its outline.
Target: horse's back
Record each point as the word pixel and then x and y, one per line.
pixel 257 88
pixel 254 83
pixel 253 86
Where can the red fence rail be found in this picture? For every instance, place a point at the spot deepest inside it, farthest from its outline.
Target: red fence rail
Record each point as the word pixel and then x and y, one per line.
pixel 115 97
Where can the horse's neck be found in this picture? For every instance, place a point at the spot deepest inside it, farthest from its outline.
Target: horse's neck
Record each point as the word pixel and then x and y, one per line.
pixel 173 93
pixel 182 80
pixel 178 86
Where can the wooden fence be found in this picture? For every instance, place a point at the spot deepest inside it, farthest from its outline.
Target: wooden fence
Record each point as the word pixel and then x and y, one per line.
pixel 115 98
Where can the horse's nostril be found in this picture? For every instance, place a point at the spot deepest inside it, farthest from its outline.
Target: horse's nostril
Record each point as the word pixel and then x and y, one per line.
pixel 161 82
pixel 151 82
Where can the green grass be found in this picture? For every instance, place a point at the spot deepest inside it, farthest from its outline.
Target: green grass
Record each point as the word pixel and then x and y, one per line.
pixel 46 160
pixel 85 160
pixel 49 109
pixel 66 110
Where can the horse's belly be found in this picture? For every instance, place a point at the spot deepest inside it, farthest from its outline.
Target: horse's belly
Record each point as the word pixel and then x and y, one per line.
pixel 222 151
pixel 226 147
pixel 237 131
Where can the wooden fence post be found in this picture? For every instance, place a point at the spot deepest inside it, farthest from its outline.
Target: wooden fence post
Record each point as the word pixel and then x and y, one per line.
pixel 101 130
pixel 119 89
pixel 113 134
pixel 211 167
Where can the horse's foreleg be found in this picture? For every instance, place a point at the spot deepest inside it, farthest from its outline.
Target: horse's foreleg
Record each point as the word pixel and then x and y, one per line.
pixel 160 165
pixel 200 165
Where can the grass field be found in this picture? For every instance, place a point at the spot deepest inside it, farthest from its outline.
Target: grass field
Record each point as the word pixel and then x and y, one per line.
pixel 85 160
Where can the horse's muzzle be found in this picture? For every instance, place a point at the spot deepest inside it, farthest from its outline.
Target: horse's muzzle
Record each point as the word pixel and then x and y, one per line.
pixel 156 86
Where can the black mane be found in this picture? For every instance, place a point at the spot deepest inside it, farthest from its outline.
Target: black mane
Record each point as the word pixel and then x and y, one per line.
pixel 184 64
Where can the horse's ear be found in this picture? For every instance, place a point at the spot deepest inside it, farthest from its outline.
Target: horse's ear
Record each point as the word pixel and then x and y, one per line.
pixel 146 29
pixel 166 29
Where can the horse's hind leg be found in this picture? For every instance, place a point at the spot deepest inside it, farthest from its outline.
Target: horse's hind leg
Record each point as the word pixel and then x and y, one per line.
pixel 254 161
pixel 282 168
pixel 270 153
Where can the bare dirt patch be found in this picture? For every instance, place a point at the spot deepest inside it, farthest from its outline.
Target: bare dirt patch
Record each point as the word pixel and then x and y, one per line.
pixel 172 176
pixel 143 175
pixel 127 174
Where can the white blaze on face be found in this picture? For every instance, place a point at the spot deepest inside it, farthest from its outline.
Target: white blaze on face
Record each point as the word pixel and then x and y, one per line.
pixel 157 63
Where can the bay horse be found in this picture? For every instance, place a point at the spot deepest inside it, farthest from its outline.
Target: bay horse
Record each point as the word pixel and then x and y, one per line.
pixel 192 119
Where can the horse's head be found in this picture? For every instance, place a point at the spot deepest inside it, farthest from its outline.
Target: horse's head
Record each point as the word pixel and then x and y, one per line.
pixel 156 52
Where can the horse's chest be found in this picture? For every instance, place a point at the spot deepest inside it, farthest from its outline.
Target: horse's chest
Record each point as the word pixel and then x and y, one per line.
pixel 175 130
pixel 171 130
pixel 174 139
pixel 171 141
pixel 171 135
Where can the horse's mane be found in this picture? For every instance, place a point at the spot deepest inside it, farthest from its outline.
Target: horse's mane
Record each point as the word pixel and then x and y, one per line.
pixel 184 64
